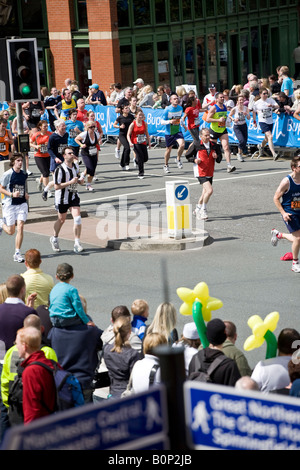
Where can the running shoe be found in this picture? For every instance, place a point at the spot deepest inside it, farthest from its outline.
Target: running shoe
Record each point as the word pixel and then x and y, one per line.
pixel 202 214
pixel 39 185
pixel 141 177
pixel 117 153
pixel 240 158
pixel 230 168
pixel 126 167
pixel 166 169
pixel 50 194
pixel 196 211
pixel 89 188
pixel 179 164
pixel 78 248
pixel 274 238
pixel 29 173
pixel 44 195
pixel 276 156
pixel 296 267
pixel 18 257
pixel 260 150
pixel 54 244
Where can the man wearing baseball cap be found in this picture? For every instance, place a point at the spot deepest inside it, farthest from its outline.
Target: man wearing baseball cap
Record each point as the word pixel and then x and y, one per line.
pixel 96 96
pixel 226 372
pixel 139 86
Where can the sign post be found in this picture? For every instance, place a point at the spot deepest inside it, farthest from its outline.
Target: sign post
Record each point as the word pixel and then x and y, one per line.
pixel 179 209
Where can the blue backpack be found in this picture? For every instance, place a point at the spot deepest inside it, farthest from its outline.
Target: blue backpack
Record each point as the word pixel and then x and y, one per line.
pixel 68 389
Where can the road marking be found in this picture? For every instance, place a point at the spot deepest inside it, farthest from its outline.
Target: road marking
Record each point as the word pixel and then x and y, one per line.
pixel 148 191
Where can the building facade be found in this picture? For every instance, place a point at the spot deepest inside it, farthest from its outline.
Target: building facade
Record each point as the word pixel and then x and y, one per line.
pixel 176 41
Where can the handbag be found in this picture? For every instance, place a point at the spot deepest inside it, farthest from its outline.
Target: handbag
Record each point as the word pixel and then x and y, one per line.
pixel 101 380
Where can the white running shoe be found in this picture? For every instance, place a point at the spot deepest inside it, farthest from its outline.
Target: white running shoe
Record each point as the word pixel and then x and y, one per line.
pixel 54 244
pixel 50 194
pixel 196 211
pixel 275 156
pixel 240 158
pixel 126 167
pixel 230 168
pixel 202 214
pixel 179 164
pixel 18 257
pixel 39 185
pixel 296 267
pixel 78 248
pixel 166 169
pixel 274 238
pixel 89 188
pixel 117 153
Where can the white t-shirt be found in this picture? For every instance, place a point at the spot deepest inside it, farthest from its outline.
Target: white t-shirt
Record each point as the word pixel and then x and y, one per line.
pixel 141 373
pixel 264 110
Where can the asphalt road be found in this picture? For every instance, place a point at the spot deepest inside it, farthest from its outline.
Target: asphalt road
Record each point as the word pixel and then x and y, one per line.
pixel 240 266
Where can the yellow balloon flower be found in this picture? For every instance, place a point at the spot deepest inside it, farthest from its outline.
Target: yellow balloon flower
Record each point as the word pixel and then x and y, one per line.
pixel 259 329
pixel 200 293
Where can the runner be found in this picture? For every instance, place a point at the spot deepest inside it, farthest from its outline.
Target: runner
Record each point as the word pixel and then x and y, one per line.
pixel 217 116
pixel 88 141
pixel 122 123
pixel 204 164
pixel 6 139
pixel 15 207
pixel 39 141
pixel 264 109
pixel 66 198
pixel 287 201
pixel 138 136
pixel 171 119
pixel 191 112
pixel 238 115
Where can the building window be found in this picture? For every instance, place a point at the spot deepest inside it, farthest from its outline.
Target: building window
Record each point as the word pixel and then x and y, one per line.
pixel 83 65
pixel 189 61
pixel 160 11
pixel 212 58
pixel 144 61
pixel 123 13
pixel 163 62
pixel 201 65
pixel 198 8
pixel 177 62
pixel 174 11
pixel 209 8
pixel 141 12
pixel 32 14
pixel 82 14
pixel 126 64
pixel 223 60
pixel 221 7
pixel 186 10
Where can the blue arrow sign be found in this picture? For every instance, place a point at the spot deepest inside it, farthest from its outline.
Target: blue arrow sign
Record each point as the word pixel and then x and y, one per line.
pixel 181 192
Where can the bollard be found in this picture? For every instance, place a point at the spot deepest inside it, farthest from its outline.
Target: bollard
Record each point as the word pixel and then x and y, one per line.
pixel 173 377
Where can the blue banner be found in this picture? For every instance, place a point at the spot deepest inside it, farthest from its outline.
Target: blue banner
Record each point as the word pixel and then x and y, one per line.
pixel 286 129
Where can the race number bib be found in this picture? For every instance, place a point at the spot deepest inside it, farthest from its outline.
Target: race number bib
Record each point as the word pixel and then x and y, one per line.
pixel 73 188
pixel 43 148
pixel 92 151
pixel 141 138
pixel 20 188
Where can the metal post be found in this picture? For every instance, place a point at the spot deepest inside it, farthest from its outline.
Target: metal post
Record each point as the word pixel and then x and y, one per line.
pixel 173 377
pixel 20 129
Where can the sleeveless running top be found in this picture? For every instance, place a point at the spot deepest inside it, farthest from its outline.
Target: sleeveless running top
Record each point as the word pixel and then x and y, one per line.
pixel 216 126
pixel 138 135
pixel 291 199
pixel 4 145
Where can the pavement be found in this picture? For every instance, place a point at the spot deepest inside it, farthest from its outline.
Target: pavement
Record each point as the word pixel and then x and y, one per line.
pixel 236 259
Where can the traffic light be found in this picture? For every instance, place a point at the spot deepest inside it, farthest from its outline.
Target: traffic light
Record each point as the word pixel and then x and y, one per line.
pixel 23 70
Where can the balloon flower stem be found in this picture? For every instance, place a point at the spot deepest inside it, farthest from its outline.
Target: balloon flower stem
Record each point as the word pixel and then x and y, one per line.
pixel 200 324
pixel 271 341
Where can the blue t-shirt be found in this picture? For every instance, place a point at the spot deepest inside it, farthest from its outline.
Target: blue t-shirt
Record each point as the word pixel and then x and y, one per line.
pixel 291 199
pixel 70 127
pixel 287 84
pixel 169 113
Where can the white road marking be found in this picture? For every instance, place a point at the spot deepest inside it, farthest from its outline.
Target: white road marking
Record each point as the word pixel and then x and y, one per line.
pixel 147 191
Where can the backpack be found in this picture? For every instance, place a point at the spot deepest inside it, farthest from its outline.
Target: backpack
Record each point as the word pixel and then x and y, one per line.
pixel 68 392
pixel 201 376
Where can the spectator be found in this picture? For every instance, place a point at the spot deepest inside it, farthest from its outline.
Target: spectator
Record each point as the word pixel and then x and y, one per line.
pixel 209 99
pixel 164 322
pixel 139 89
pixel 230 350
pixel 165 101
pixel 120 357
pixel 271 374
pixel 65 304
pixel 284 102
pixel 96 96
pixel 36 281
pixel 77 350
pixel 13 311
pixel 111 95
pixel 140 311
pixel 147 99
pixel 146 371
pixel 39 391
pixel 190 341
pixel 294 375
pixel 274 85
pixel 287 83
pixel 183 95
pixel 229 103
pixel 227 372
pixel 246 383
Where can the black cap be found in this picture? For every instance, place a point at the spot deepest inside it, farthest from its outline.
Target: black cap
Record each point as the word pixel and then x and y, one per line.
pixel 215 331
pixel 211 86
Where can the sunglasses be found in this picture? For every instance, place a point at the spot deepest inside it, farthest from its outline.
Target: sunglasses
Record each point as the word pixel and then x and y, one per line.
pixel 92 127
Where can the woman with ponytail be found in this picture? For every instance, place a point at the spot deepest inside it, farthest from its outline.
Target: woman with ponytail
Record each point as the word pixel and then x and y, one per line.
pixel 119 357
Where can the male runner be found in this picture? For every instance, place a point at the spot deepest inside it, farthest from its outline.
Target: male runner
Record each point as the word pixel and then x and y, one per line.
pixel 171 118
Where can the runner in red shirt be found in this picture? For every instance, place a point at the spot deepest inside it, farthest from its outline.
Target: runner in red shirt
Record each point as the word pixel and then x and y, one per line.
pixel 138 136
pixel 191 112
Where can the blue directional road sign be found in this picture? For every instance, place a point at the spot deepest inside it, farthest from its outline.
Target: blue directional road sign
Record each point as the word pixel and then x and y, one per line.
pixel 136 422
pixel 220 417
pixel 181 192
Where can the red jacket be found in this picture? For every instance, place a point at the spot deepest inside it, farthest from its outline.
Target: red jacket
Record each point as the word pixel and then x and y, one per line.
pixel 39 392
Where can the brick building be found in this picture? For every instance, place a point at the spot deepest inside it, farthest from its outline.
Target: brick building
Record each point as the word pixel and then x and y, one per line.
pixel 175 41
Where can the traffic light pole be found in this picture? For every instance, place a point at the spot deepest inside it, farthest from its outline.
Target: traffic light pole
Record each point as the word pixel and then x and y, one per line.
pixel 20 129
